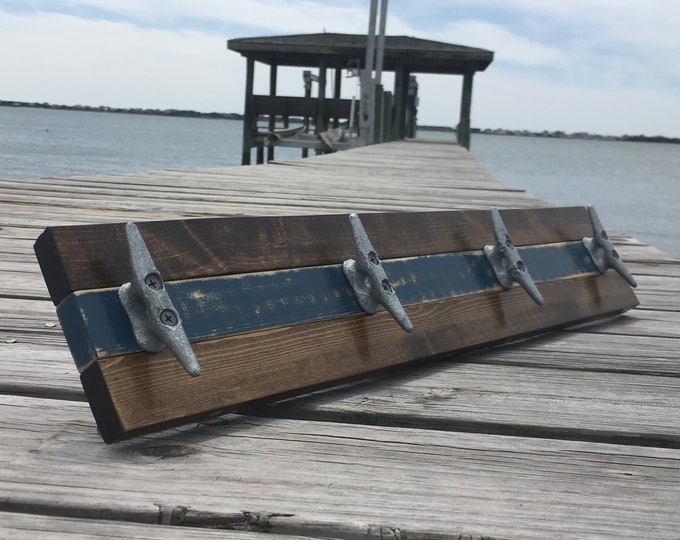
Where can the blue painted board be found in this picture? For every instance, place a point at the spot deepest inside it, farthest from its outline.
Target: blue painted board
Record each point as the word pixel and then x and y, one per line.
pixel 96 326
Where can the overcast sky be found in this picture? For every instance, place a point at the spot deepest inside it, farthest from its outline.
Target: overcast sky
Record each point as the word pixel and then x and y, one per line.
pixel 603 66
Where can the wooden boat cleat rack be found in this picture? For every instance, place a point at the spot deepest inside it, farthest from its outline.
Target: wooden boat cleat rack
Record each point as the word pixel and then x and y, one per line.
pixel 174 321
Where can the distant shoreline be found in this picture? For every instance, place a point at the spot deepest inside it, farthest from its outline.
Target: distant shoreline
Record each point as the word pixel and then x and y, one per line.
pixel 581 135
pixel 102 108
pixel 183 113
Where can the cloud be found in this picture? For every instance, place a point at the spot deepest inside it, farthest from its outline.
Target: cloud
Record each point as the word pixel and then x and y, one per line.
pixel 597 65
pixel 539 105
pixel 509 47
pixel 270 16
pixel 642 37
pixel 590 42
pixel 66 59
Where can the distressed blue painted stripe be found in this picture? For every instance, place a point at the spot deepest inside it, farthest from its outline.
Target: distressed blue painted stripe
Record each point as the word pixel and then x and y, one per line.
pixel 96 326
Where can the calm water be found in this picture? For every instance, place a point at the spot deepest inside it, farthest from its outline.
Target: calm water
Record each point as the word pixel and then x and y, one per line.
pixel 634 186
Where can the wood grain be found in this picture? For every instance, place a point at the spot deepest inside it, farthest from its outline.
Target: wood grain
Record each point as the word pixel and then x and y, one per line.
pixel 337 480
pixel 18 526
pixel 96 256
pixel 219 306
pixel 459 394
pixel 140 391
pixel 347 481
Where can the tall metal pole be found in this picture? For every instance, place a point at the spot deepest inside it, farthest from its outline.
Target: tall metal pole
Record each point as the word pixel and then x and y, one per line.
pixel 381 43
pixel 272 117
pixel 379 105
pixel 370 45
pixel 365 107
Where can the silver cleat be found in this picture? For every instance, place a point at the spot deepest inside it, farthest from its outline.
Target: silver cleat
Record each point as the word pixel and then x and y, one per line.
pixel 368 279
pixel 506 262
pixel 155 321
pixel 602 251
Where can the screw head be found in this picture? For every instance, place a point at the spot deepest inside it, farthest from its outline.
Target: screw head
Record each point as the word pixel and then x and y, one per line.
pixel 154 281
pixel 169 317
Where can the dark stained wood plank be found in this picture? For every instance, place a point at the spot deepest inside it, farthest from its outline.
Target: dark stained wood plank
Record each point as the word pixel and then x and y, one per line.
pixel 96 256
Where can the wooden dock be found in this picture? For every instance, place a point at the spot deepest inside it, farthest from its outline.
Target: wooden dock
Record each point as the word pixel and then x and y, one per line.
pixel 571 434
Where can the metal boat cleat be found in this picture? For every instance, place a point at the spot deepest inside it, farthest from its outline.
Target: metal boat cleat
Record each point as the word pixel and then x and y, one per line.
pixel 602 251
pixel 155 321
pixel 368 279
pixel 506 262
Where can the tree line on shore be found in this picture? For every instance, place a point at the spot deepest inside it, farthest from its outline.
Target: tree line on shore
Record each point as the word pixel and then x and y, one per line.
pixel 103 108
pixel 235 116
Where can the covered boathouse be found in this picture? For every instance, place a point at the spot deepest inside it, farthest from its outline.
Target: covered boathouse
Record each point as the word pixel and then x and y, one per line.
pixel 402 55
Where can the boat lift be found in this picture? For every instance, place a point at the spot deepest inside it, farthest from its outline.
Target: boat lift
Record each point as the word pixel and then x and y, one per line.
pixel 344 137
pixel 376 116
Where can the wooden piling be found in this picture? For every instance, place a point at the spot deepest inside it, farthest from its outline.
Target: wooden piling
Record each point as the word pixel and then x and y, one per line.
pixel 248 119
pixel 463 131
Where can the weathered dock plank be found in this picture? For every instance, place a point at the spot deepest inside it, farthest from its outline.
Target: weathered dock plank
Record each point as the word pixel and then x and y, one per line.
pixel 568 434
pixel 462 395
pixel 597 352
pixel 19 526
pixel 343 480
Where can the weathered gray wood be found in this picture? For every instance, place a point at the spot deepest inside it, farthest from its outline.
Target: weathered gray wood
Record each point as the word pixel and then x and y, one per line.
pixel 462 395
pixel 611 353
pixel 30 286
pixel 29 315
pixel 660 293
pixel 31 526
pixel 352 481
pixel 234 201
pixel 640 323
pixel 227 192
pixel 338 479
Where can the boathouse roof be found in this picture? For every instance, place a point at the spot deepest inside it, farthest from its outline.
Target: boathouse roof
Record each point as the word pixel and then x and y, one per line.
pixel 338 50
